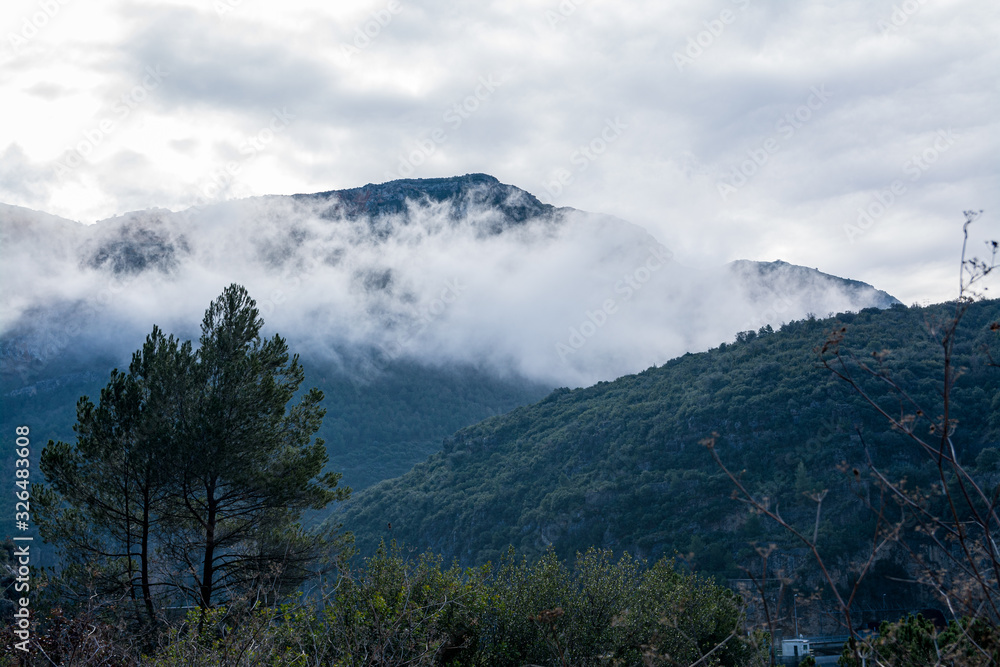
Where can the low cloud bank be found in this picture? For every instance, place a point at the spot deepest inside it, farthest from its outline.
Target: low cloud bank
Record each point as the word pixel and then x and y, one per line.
pixel 567 298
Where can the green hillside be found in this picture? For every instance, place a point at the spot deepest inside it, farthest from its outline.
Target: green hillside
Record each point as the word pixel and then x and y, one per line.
pixel 375 428
pixel 383 426
pixel 619 465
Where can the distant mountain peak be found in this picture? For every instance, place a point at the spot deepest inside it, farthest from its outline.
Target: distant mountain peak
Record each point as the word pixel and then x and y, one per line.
pixel 461 269
pixel 765 281
pixel 465 193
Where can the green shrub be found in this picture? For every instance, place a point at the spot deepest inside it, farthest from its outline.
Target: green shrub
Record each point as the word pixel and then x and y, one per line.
pixel 915 642
pixel 397 610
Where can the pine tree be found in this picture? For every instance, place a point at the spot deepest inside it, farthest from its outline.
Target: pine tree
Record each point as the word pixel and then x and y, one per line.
pixel 190 476
pixel 108 492
pixel 246 467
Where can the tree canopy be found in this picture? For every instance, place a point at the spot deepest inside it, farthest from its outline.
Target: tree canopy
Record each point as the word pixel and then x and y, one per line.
pixel 188 478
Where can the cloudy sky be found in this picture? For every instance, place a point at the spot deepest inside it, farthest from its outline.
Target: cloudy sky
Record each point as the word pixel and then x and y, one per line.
pixel 847 136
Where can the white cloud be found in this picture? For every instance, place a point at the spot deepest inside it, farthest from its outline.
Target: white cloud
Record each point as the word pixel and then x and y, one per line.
pixel 891 90
pixel 568 300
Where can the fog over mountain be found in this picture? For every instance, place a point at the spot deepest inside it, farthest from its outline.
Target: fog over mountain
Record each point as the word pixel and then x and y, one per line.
pixel 460 270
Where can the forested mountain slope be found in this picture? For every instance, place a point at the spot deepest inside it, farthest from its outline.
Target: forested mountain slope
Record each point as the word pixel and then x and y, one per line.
pixel 418 306
pixel 375 427
pixel 619 464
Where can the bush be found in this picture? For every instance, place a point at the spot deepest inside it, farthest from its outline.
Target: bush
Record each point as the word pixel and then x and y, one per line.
pixel 396 610
pixel 915 642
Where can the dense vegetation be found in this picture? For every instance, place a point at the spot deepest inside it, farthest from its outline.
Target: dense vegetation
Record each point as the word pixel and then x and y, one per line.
pixel 382 425
pixel 379 423
pixel 396 610
pixel 522 499
pixel 915 642
pixel 188 479
pixel 619 465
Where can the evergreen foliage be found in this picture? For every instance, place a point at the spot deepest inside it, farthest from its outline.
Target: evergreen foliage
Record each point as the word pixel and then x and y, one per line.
pixel 915 642
pixel 187 480
pixel 619 465
pixel 381 420
pixel 397 610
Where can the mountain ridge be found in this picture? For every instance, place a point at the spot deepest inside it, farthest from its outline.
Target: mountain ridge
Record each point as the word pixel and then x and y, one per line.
pixel 475 189
pixel 366 267
pixel 619 465
pixel 460 288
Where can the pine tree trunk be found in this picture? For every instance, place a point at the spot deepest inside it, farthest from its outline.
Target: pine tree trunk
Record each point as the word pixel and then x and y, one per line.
pixel 209 567
pixel 147 594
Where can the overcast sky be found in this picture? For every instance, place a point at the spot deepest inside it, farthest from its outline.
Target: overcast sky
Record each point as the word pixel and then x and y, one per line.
pixel 729 128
